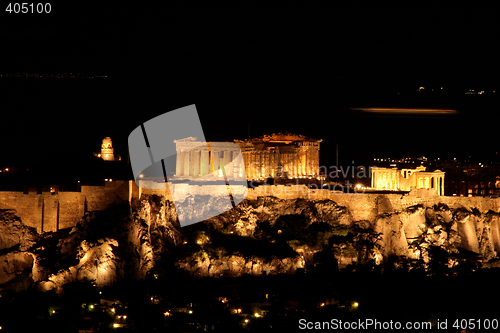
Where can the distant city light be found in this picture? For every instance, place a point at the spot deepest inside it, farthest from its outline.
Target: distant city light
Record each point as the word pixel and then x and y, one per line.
pixel 406 111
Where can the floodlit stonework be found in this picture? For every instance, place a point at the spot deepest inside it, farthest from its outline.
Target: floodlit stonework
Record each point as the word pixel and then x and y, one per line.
pixel 405 179
pixel 198 160
pixel 52 211
pixel 107 151
pixel 277 155
pixel 280 156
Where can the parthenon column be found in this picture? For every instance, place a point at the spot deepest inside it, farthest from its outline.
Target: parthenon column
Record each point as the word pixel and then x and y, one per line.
pixel 309 162
pixel 190 155
pixel 196 163
pixel 260 165
pixel 305 161
pixel 235 167
pixel 265 163
pixel 296 165
pixel 225 161
pixel 186 162
pixel 179 164
pixel 248 165
pixel 211 168
pixel 242 170
pixel 204 163
pixel 316 161
pixel 216 161
pixel 284 163
pixel 251 165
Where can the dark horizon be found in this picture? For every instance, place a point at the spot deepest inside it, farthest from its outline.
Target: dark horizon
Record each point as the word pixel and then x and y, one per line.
pixel 265 72
pixel 73 116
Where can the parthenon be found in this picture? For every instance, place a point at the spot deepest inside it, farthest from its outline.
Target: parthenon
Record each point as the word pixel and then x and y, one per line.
pixel 281 156
pixel 405 179
pixel 277 155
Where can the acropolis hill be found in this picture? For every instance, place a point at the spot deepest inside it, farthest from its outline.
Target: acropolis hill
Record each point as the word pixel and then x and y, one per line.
pixel 151 226
pixel 286 155
pixel 406 226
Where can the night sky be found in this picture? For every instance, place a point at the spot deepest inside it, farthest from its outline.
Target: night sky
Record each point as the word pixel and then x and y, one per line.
pixel 253 70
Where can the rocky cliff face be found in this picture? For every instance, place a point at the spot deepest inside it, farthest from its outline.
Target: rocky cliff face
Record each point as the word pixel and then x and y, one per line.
pixel 266 235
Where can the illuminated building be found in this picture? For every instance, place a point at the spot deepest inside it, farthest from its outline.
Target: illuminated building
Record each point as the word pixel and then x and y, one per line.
pixel 404 179
pixel 198 160
pixel 107 151
pixel 280 156
pixel 277 155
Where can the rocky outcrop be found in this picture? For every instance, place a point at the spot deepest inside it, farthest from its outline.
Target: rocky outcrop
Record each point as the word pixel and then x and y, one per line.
pixel 264 235
pixel 13 233
pixel 108 246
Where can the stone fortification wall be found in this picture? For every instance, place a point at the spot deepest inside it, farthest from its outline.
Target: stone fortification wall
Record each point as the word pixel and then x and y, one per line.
pixel 54 211
pixel 51 211
pixel 363 206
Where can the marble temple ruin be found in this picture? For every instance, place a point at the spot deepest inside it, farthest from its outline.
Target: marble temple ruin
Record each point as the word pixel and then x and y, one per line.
pixel 276 155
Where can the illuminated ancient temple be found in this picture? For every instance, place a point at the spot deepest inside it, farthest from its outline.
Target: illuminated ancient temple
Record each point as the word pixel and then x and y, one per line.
pixel 198 160
pixel 277 155
pixel 405 179
pixel 280 156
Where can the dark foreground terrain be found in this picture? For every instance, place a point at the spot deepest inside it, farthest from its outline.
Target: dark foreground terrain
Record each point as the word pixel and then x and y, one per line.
pixel 175 302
